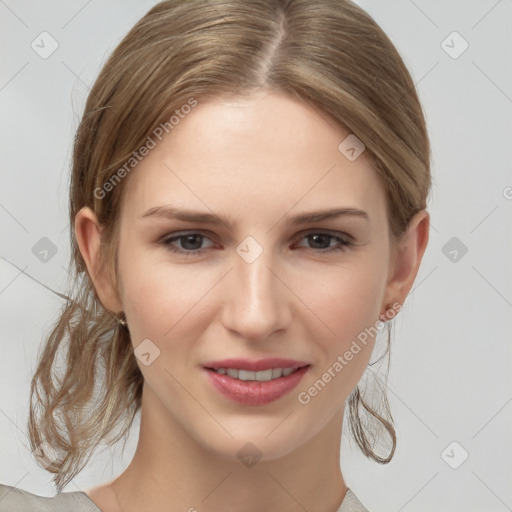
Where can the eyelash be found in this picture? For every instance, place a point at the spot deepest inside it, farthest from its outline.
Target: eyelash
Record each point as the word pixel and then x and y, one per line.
pixel 344 243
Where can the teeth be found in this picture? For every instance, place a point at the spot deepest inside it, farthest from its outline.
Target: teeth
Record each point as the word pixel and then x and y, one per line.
pixel 277 372
pixel 262 376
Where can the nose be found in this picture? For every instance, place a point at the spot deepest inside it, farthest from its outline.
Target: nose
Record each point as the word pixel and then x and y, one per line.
pixel 256 300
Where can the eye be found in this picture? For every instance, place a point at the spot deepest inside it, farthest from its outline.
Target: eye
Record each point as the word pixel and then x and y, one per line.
pixel 324 239
pixel 190 242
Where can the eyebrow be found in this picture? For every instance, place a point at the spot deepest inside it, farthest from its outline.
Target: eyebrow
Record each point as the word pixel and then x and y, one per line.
pixel 198 217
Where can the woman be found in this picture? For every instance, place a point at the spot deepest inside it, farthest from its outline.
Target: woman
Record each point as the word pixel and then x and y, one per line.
pixel 248 209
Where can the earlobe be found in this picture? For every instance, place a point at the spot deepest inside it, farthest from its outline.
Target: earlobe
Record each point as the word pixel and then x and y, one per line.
pixel 88 235
pixel 408 256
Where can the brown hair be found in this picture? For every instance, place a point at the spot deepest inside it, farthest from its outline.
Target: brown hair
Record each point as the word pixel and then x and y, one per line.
pixel 328 53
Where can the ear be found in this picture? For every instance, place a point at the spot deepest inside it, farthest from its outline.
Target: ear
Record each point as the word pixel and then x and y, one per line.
pixel 407 258
pixel 88 235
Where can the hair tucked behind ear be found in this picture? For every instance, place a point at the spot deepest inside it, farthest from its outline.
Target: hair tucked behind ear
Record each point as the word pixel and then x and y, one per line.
pixel 329 54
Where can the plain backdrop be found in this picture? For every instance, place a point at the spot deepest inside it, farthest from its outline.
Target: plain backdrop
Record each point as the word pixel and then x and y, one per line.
pixel 450 380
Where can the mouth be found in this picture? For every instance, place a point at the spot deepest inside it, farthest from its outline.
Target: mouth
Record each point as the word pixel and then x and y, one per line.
pixel 255 386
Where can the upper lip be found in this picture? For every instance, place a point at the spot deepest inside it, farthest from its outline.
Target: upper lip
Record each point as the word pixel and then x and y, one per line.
pixel 255 366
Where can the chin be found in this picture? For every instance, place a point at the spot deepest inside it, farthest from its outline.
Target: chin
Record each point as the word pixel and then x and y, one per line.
pixel 249 449
pixel 254 439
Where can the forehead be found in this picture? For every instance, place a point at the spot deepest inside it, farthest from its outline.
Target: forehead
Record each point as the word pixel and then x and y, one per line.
pixel 263 155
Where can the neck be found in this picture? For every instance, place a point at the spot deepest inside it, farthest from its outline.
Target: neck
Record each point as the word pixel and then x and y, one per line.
pixel 172 472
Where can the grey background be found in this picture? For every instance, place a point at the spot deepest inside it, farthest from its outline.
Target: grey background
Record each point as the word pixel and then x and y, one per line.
pixel 450 378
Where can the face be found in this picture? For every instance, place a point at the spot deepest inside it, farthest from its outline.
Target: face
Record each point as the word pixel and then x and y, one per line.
pixel 250 281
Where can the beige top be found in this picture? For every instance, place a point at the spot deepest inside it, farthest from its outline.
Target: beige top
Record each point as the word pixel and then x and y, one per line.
pixel 13 499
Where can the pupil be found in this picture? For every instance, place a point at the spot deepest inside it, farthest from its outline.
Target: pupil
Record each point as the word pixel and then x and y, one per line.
pixel 315 238
pixel 188 238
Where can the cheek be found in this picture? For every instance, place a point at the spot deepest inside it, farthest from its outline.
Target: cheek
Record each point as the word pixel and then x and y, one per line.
pixel 163 303
pixel 157 301
pixel 349 309
pixel 346 298
pixel 161 299
pixel 142 286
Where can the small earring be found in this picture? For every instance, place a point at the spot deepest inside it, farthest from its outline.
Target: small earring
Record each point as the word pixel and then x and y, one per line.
pixel 384 316
pixel 120 320
pixel 390 313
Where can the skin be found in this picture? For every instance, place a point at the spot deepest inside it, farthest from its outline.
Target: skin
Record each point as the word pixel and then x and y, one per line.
pixel 256 161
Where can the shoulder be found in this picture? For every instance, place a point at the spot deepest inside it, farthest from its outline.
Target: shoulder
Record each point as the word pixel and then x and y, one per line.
pixel 351 503
pixel 13 499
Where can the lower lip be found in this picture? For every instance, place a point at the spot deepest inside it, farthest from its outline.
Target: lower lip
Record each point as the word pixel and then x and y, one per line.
pixel 255 392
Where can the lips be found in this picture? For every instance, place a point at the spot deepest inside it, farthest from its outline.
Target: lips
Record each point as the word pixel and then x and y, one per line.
pixel 254 392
